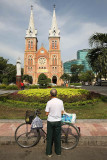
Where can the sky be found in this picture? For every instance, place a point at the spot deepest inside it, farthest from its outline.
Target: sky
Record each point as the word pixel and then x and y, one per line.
pixel 76 19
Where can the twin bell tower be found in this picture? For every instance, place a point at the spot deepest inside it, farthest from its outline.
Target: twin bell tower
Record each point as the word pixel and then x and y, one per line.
pixel 37 61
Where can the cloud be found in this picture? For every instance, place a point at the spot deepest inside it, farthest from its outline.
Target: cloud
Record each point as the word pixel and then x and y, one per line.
pixel 17 5
pixel 10 27
pixel 11 53
pixel 74 41
pixel 74 32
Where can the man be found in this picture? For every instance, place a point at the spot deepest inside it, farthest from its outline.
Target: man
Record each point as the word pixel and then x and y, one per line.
pixel 54 109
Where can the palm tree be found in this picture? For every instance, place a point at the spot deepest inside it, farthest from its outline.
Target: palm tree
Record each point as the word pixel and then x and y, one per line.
pixel 98 40
pixel 97 56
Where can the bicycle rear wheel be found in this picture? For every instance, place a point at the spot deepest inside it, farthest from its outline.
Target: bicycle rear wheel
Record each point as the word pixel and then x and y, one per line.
pixel 25 136
pixel 69 136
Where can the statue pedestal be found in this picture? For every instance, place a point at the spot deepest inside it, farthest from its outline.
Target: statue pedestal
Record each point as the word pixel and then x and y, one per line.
pixel 18 81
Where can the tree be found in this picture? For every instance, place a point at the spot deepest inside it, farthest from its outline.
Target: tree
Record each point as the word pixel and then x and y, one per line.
pixel 27 78
pixel 76 70
pixel 3 64
pixel 65 77
pixel 7 71
pixel 42 80
pixel 5 81
pixel 97 56
pixel 10 73
pixel 87 76
pixel 48 80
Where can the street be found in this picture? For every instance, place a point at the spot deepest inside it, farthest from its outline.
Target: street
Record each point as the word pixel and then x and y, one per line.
pixel 14 152
pixel 98 89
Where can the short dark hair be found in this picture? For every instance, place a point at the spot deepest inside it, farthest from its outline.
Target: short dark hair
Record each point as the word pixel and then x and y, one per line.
pixel 53 92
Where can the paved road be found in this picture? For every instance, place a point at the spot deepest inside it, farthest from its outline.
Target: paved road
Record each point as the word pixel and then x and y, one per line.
pixel 14 152
pixel 6 91
pixel 98 89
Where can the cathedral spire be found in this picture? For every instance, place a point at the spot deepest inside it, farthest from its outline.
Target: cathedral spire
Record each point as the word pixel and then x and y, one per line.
pixel 31 32
pixel 54 31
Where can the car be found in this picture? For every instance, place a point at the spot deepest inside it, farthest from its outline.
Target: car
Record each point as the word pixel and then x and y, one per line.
pixel 12 84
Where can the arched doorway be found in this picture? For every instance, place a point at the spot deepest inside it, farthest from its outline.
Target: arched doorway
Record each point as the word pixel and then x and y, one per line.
pixel 54 79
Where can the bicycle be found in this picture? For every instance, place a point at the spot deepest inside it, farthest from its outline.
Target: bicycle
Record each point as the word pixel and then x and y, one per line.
pixel 27 137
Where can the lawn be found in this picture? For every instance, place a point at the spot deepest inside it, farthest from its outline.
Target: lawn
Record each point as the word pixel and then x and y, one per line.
pixel 86 105
pixel 88 111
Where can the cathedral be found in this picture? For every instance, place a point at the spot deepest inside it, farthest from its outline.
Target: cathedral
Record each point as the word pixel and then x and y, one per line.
pixel 37 61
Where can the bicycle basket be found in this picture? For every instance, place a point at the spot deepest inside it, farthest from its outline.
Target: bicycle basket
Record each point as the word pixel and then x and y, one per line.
pixel 30 115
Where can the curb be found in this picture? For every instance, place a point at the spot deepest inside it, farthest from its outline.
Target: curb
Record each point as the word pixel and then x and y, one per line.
pixel 83 141
pixel 93 141
pixel 77 120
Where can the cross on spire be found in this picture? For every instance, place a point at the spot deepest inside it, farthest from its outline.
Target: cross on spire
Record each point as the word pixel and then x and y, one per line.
pixel 54 31
pixel 31 7
pixel 31 32
pixel 54 6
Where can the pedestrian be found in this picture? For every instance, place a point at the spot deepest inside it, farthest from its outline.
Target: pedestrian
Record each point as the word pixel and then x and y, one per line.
pixel 54 109
pixel 22 85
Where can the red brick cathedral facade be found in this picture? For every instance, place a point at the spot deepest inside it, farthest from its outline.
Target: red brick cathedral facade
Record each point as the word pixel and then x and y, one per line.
pixel 43 61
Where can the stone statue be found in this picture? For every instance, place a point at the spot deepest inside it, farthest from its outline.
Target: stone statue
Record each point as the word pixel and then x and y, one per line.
pixel 18 67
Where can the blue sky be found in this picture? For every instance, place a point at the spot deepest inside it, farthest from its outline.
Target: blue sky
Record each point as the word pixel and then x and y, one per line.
pixel 76 19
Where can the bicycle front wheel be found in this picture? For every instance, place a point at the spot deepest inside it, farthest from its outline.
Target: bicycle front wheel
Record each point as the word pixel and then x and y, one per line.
pixel 25 136
pixel 69 136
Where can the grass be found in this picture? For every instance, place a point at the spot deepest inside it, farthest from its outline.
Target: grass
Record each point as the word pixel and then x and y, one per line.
pixel 87 111
pixel 86 105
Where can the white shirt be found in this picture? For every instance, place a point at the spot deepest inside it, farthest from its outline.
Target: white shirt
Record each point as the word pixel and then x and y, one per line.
pixel 54 107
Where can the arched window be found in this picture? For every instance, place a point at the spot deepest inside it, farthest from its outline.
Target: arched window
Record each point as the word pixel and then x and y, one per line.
pixel 28 44
pixel 30 60
pixel 55 61
pixel 52 44
pixel 55 44
pixel 52 61
pixel 30 69
pixel 53 69
pixel 31 44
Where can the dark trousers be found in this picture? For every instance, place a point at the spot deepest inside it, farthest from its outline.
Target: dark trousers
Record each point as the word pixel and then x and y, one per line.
pixel 53 136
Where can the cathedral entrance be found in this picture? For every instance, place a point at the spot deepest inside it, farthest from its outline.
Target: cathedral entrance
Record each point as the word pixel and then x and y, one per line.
pixel 54 79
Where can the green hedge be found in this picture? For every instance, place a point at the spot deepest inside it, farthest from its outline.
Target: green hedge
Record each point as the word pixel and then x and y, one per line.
pixel 76 84
pixel 31 86
pixel 3 86
pixel 12 87
pixel 20 104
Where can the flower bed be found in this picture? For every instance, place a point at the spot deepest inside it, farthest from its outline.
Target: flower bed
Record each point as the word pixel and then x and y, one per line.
pixel 43 95
pixel 60 91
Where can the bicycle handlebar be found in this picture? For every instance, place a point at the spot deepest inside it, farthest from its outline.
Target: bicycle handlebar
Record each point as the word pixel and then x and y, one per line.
pixel 37 112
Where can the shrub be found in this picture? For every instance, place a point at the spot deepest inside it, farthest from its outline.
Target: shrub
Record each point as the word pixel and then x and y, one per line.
pixel 104 98
pixel 80 103
pixel 76 84
pixel 27 78
pixel 36 105
pixel 3 86
pixel 42 80
pixel 43 95
pixel 12 87
pixel 21 104
pixel 33 86
pixel 5 81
